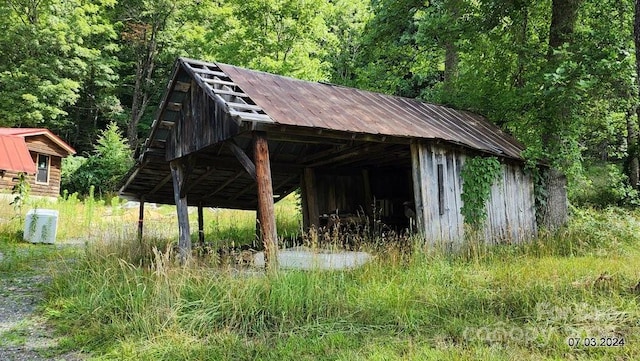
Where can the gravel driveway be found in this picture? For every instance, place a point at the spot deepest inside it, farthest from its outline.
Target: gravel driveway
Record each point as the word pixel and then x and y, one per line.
pixel 23 334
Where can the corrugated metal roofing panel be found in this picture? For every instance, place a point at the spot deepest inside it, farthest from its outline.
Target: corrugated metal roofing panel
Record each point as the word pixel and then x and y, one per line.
pixel 295 102
pixel 29 132
pixel 14 155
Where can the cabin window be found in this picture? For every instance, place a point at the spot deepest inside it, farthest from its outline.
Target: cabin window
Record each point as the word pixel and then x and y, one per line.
pixel 441 188
pixel 42 175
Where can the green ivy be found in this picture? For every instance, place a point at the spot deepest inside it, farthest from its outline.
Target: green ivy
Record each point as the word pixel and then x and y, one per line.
pixel 478 174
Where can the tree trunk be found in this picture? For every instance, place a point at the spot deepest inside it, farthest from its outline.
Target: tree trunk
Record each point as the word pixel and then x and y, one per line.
pixel 634 142
pixel 450 66
pixel 564 14
pixel 633 165
pixel 554 213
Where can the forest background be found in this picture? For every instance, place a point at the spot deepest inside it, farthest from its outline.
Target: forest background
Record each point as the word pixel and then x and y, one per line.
pixel 560 75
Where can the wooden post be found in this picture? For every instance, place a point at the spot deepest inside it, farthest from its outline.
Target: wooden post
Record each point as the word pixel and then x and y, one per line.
pixel 311 197
pixel 140 219
pixel 416 171
pixel 184 237
pixel 258 239
pixel 266 209
pixel 200 226
pixel 305 207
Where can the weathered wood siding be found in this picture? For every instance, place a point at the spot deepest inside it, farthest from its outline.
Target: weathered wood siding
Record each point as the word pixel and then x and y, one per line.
pixel 52 189
pixel 511 212
pixel 40 144
pixel 201 122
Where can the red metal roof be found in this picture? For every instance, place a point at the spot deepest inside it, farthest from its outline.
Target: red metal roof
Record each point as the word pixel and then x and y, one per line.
pixel 14 155
pixel 30 132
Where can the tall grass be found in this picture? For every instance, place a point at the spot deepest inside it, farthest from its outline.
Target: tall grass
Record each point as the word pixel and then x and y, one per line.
pixel 500 303
pixel 123 299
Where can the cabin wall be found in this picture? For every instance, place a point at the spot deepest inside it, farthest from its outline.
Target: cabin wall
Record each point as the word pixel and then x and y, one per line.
pixel 42 144
pixel 52 189
pixel 39 144
pixel 510 209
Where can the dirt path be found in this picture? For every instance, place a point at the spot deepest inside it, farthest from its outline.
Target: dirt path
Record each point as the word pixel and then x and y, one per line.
pixel 23 334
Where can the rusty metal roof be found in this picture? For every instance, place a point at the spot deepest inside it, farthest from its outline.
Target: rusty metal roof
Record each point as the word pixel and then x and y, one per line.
pixel 209 112
pixel 293 102
pixel 14 155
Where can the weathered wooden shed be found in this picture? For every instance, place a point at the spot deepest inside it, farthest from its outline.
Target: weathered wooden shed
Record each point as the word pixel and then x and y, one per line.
pixel 229 137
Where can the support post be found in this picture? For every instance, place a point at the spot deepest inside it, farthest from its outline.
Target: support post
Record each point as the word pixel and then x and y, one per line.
pixel 140 219
pixel 266 209
pixel 416 172
pixel 184 237
pixel 311 197
pixel 200 225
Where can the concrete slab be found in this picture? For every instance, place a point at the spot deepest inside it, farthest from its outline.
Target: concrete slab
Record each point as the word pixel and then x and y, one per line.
pixel 306 258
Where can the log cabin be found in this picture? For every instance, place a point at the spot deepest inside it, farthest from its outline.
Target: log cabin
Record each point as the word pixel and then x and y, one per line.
pixel 230 137
pixel 38 153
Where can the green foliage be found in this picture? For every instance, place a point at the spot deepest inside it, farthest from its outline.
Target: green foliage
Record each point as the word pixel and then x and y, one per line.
pixel 603 185
pixel 104 168
pixel 478 174
pixel 20 191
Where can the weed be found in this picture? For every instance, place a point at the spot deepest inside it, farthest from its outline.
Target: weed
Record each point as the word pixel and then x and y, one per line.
pixel 124 299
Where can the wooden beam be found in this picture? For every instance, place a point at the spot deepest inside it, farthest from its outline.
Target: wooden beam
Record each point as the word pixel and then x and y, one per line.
pixel 175 107
pixel 204 176
pixel 182 86
pixel 225 184
pixel 184 234
pixel 167 124
pixel 305 207
pixel 251 116
pixel 160 184
pixel 418 179
pixel 220 82
pixel 311 197
pixel 243 191
pixel 266 209
pixel 244 106
pixel 140 219
pixel 230 92
pixel 242 158
pixel 188 166
pixel 200 225
pixel 209 72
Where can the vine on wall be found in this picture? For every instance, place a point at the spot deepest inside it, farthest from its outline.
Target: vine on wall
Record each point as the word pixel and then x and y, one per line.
pixel 478 174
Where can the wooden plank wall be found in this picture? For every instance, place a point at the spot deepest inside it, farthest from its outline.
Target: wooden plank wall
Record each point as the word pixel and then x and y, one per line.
pixel 43 145
pixel 201 122
pixel 437 227
pixel 511 211
pixel 37 189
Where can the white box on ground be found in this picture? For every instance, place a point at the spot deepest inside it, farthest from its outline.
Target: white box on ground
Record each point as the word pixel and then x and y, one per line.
pixel 41 226
pixel 305 258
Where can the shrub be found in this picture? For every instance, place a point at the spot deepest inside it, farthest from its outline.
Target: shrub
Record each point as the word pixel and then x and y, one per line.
pixel 103 169
pixel 602 186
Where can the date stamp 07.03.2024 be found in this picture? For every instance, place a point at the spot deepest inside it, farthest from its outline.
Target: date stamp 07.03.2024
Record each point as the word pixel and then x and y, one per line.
pixel 601 341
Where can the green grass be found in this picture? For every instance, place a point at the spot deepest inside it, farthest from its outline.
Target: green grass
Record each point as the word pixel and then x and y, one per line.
pixel 491 303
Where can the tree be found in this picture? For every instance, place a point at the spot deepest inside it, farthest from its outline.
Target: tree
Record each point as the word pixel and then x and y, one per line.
pixel 105 167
